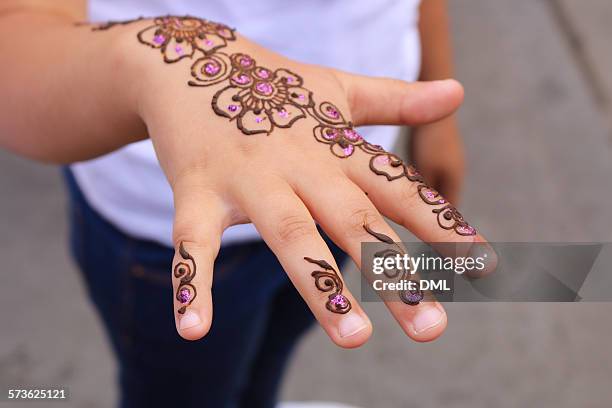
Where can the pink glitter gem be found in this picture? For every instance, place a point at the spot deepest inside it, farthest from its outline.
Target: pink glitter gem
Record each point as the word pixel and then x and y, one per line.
pixel 333 113
pixel 441 201
pixel 263 73
pixel 330 134
pixel 351 135
pixel 283 114
pixel 259 119
pixel 339 301
pixel 178 49
pixel 159 39
pixel 245 61
pixel 429 195
pixel 211 68
pixel 289 79
pixel 348 150
pixel 264 88
pixel 232 108
pixel 466 229
pixel 184 296
pixel 242 79
pixel 208 42
pixel 383 160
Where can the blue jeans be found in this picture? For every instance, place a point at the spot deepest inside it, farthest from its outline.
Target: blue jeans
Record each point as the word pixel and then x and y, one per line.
pixel 258 318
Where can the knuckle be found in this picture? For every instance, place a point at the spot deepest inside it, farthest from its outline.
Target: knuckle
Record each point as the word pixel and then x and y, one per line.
pixel 360 217
pixel 409 194
pixel 293 228
pixel 247 148
pixel 408 205
pixel 195 237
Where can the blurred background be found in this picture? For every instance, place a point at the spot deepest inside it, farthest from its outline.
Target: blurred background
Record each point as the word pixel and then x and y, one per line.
pixel 537 123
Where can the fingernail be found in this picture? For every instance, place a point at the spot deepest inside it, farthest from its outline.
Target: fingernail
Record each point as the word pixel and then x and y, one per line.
pixel 485 257
pixel 351 324
pixel 427 318
pixel 189 319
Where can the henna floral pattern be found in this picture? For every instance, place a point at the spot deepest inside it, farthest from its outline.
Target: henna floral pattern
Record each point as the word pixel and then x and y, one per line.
pixel 260 99
pixel 328 280
pixel 185 271
pixel 180 37
pixel 410 297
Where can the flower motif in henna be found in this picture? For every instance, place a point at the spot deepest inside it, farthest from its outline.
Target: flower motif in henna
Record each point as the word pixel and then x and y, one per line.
pixel 258 98
pixel 180 37
pixel 185 271
pixel 328 280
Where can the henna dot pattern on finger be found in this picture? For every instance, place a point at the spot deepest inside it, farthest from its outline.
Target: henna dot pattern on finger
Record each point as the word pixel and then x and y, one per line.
pixel 260 99
pixel 185 271
pixel 410 297
pixel 328 280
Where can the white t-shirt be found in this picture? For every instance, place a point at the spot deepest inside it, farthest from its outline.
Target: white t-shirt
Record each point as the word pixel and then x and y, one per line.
pixel 372 37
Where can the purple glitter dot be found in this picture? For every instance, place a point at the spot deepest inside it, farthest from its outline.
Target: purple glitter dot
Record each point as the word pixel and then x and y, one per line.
pixel 263 73
pixel 232 108
pixel 264 88
pixel 351 135
pixel 348 150
pixel 330 134
pixel 466 229
pixel 245 61
pixel 414 297
pixel 242 79
pixel 259 119
pixel 333 113
pixel 429 195
pixel 208 42
pixel 159 39
pixel 178 49
pixel 339 301
pixel 211 68
pixel 184 295
pixel 283 113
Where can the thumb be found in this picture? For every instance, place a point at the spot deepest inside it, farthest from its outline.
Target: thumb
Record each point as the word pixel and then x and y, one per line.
pixel 384 101
pixel 197 235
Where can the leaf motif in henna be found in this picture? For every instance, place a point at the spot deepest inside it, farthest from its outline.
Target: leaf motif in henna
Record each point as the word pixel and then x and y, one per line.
pixel 185 271
pixel 410 297
pixel 328 280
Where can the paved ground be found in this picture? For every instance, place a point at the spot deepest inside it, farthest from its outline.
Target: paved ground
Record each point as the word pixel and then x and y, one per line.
pixel 537 124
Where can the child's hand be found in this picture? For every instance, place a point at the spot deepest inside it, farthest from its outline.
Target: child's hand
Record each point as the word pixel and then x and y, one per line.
pixel 437 151
pixel 246 135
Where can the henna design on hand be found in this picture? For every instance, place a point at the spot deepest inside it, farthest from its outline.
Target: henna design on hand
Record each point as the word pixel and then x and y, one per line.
pixel 410 297
pixel 328 280
pixel 180 37
pixel 260 99
pixel 185 271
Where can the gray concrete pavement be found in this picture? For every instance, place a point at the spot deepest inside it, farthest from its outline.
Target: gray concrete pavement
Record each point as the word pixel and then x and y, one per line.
pixel 539 150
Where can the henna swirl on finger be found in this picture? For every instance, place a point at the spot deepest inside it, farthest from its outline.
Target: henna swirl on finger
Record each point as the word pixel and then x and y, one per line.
pixel 185 271
pixel 260 99
pixel 328 280
pixel 410 297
